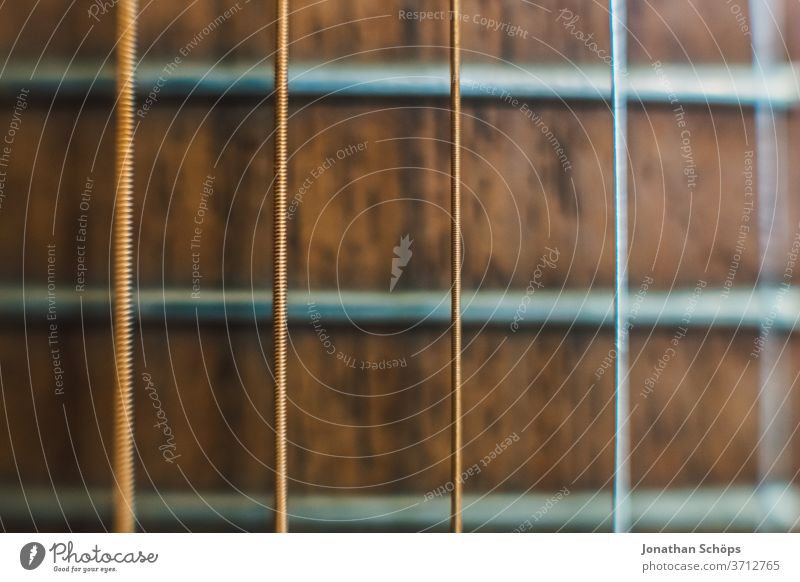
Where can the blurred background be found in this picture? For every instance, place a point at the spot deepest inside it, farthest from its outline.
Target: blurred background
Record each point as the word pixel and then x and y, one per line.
pixel 712 244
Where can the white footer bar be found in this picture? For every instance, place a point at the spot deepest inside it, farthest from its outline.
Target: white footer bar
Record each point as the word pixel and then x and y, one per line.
pixel 353 557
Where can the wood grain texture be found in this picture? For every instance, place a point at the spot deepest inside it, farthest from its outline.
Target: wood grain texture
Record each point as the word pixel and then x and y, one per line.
pixel 376 431
pixel 682 30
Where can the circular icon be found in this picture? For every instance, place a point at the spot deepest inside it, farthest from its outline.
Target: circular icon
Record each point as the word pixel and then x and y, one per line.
pixel 31 555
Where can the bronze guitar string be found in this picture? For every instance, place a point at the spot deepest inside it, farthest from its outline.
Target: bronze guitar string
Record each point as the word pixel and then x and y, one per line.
pixel 280 329
pixel 124 446
pixel 455 263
